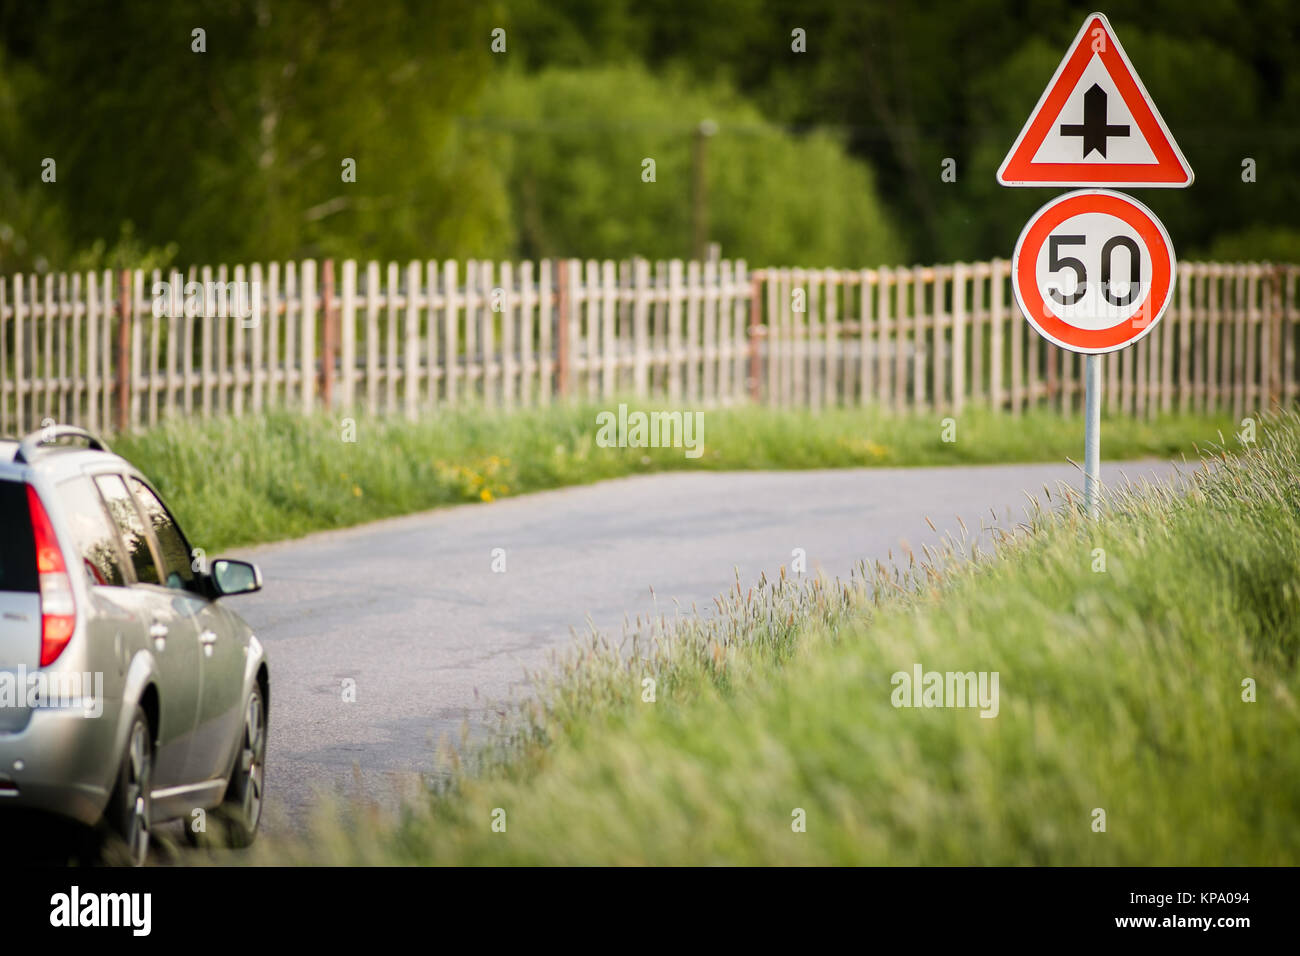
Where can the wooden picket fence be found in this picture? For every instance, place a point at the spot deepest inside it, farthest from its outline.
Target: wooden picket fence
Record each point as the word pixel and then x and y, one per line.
pixel 116 351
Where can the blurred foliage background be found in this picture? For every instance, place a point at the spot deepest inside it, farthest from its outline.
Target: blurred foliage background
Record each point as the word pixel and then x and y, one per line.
pixel 829 157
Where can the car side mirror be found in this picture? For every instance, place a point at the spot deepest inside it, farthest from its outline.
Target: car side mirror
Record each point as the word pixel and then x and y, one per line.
pixel 235 577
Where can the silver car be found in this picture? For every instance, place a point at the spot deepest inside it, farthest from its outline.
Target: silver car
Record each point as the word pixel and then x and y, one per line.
pixel 129 693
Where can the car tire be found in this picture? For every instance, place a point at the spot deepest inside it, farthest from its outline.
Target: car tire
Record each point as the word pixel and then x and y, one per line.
pixel 129 808
pixel 240 812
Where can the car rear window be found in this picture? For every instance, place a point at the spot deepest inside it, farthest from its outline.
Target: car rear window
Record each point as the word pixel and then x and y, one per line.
pixel 92 533
pixel 17 546
pixel 130 526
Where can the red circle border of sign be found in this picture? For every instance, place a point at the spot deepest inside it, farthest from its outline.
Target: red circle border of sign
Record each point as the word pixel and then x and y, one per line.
pixel 1024 272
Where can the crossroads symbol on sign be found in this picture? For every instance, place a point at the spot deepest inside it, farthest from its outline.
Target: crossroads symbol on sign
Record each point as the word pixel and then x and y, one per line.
pixel 1094 129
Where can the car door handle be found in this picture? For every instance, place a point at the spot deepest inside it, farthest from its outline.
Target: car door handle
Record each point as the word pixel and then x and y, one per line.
pixel 208 639
pixel 158 631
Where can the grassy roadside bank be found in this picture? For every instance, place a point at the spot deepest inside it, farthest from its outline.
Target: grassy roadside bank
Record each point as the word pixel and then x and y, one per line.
pixel 1121 690
pixel 245 481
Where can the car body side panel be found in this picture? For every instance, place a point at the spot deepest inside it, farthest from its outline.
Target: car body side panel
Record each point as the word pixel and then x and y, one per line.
pixel 176 665
pixel 222 693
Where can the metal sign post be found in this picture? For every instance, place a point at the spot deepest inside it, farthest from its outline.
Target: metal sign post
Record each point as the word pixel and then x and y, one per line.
pixel 1092 436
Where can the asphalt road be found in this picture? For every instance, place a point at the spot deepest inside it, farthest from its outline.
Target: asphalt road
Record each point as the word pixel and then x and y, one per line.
pixel 410 615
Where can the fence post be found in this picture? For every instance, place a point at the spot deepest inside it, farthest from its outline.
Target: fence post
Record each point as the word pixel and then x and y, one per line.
pixel 562 329
pixel 755 313
pixel 307 327
pixel 641 326
pixel 997 316
pixel 1272 334
pixel 123 411
pixel 411 343
pixel 348 336
pixel 329 335
pixel 1285 352
pixel 959 277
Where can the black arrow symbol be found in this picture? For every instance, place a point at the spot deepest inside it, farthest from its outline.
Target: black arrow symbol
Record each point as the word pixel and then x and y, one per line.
pixel 1094 130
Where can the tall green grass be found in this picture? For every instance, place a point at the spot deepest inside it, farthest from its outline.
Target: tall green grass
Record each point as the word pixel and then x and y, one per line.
pixel 248 480
pixel 1121 690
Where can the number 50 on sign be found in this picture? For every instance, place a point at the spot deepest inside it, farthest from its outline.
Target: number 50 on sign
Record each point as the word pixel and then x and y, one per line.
pixel 1093 271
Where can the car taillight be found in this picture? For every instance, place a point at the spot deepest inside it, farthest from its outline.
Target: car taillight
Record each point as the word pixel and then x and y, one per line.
pixel 58 611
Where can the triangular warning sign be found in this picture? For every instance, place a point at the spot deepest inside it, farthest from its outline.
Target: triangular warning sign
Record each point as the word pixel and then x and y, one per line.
pixel 1095 124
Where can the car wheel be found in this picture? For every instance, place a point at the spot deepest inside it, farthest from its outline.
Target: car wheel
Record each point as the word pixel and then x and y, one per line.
pixel 241 811
pixel 129 808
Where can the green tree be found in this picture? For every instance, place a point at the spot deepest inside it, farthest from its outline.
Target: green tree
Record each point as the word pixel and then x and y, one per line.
pixel 575 144
pixel 32 226
pixel 232 142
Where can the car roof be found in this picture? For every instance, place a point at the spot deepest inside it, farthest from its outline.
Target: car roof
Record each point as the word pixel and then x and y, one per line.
pixel 55 461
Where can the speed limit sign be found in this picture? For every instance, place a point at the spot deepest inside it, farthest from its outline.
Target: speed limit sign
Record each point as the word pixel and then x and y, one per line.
pixel 1093 271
